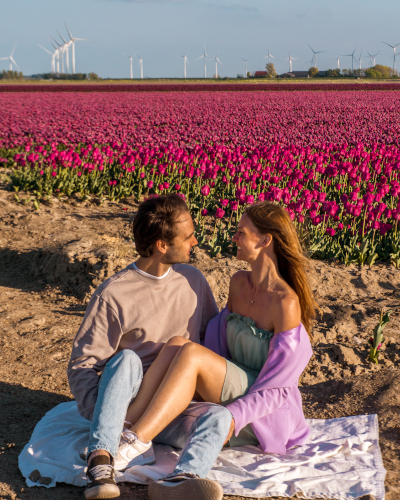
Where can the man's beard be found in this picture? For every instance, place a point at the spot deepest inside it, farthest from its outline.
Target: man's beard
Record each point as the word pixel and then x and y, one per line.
pixel 175 257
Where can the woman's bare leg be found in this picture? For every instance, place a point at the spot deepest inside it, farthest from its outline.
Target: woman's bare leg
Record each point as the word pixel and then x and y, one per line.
pixel 153 378
pixel 194 368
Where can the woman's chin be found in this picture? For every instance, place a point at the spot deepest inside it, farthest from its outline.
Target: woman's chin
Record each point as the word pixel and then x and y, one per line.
pixel 240 255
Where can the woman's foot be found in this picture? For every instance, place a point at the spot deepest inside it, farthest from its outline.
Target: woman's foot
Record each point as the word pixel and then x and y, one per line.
pixel 184 487
pixel 132 452
pixel 100 479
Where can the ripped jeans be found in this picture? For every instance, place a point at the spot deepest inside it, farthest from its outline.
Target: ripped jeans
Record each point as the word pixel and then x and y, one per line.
pixel 200 430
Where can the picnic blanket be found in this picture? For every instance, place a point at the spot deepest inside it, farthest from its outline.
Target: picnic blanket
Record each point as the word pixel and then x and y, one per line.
pixel 340 461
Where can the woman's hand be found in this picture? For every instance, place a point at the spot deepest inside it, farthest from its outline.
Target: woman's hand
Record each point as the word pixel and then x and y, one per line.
pixel 231 431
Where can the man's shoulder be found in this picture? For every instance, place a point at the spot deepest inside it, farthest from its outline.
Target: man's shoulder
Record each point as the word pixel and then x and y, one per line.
pixel 188 271
pixel 116 284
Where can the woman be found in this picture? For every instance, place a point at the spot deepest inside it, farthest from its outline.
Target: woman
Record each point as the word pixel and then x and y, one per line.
pixel 255 349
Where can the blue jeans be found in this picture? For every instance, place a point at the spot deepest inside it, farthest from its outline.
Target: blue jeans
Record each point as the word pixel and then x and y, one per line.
pixel 200 430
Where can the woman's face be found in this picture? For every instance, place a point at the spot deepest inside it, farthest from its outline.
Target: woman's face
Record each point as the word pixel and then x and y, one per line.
pixel 249 241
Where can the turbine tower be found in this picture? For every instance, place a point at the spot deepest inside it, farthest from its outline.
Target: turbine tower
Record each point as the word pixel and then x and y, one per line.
pixel 66 50
pixel 352 59
pixel 246 60
pixel 72 42
pixel 216 64
pixel 53 59
pixel 372 57
pixel 205 55
pixel 11 59
pixel 269 56
pixel 61 50
pixel 338 60
pixel 359 61
pixel 131 57
pixel 185 60
pixel 57 52
pixel 290 59
pixel 314 58
pixel 394 55
pixel 141 66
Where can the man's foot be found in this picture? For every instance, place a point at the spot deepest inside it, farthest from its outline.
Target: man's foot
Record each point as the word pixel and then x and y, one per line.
pixel 100 479
pixel 184 487
pixel 132 452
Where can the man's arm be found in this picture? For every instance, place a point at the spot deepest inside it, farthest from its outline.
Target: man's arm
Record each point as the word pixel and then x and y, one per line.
pixel 209 310
pixel 96 341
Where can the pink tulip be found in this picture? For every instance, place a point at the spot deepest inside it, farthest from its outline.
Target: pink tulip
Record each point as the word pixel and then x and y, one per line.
pixel 219 213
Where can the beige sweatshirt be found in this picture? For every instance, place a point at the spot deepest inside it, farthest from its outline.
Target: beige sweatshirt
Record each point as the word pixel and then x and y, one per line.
pixel 132 311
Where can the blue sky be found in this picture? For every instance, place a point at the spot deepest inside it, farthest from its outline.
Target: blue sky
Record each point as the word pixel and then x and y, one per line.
pixel 162 30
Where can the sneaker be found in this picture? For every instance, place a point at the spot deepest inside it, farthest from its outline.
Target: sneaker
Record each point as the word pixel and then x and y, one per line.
pixel 184 487
pixel 132 452
pixel 100 479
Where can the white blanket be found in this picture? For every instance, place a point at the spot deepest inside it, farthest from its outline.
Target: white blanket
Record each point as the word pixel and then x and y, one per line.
pixel 341 460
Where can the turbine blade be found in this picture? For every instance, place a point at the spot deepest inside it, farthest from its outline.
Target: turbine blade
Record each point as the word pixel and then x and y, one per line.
pixel 12 52
pixel 64 40
pixel 48 51
pixel 11 59
pixel 69 33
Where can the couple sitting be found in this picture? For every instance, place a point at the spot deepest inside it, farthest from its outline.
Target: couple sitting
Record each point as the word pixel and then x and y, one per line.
pixel 143 330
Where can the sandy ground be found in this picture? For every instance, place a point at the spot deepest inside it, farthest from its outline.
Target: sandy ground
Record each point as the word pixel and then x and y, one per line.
pixel 52 260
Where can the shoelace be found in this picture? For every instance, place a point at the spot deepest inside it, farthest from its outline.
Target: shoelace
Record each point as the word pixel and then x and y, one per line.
pixel 128 437
pixel 101 472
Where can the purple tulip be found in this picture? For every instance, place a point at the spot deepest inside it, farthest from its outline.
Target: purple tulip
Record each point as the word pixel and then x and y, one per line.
pixel 219 213
pixel 205 190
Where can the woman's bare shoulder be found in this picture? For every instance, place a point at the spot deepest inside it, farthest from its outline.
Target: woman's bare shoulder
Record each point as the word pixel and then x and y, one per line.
pixel 286 310
pixel 238 280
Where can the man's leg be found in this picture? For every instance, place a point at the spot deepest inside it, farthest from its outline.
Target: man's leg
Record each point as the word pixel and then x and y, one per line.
pixel 118 385
pixel 201 431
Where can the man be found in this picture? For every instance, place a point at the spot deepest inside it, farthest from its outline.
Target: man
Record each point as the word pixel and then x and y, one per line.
pixel 129 319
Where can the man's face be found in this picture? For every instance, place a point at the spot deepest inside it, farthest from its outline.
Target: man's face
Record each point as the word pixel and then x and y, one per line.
pixel 179 249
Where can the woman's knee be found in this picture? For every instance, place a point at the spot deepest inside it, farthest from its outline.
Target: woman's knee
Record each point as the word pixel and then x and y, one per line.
pixel 177 341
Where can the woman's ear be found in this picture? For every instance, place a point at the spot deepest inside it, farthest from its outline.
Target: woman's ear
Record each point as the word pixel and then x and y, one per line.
pixel 267 240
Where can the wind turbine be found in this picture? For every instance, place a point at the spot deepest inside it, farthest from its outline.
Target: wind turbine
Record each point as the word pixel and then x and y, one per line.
pixel 131 57
pixel 314 59
pixel 246 60
pixel 394 55
pixel 372 57
pixel 216 64
pixel 185 60
pixel 72 42
pixel 290 59
pixel 141 66
pixel 57 55
pixel 205 55
pixel 66 50
pixel 268 56
pixel 359 61
pixel 352 58
pixel 338 60
pixel 53 58
pixel 11 59
pixel 61 50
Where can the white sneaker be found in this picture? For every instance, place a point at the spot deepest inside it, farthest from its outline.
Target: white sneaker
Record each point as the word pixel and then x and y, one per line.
pixel 132 452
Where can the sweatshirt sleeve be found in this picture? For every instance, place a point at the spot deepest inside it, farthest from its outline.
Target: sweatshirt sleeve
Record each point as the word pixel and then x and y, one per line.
pixel 210 308
pixel 96 341
pixel 288 356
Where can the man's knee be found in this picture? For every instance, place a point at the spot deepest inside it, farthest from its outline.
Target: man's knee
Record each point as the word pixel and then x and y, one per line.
pixel 128 361
pixel 219 418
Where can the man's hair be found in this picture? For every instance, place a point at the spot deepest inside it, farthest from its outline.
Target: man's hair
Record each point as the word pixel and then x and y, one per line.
pixel 156 220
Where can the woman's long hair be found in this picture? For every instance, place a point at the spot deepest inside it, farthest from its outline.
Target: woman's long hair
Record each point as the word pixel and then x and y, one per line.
pixel 292 263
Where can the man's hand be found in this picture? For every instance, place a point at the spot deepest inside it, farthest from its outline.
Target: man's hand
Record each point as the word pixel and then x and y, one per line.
pixel 231 431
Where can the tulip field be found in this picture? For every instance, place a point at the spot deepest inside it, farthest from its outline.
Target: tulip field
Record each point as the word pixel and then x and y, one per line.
pixel 330 158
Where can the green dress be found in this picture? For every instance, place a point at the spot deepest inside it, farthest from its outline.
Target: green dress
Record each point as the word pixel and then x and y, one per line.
pixel 249 347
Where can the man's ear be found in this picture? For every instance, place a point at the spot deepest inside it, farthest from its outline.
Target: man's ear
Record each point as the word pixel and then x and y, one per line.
pixel 161 246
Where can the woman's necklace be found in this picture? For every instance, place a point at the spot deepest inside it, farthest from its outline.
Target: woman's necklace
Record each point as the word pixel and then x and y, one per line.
pixel 269 286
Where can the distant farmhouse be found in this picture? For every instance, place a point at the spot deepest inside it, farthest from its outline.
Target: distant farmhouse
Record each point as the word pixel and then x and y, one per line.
pixel 260 74
pixel 300 74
